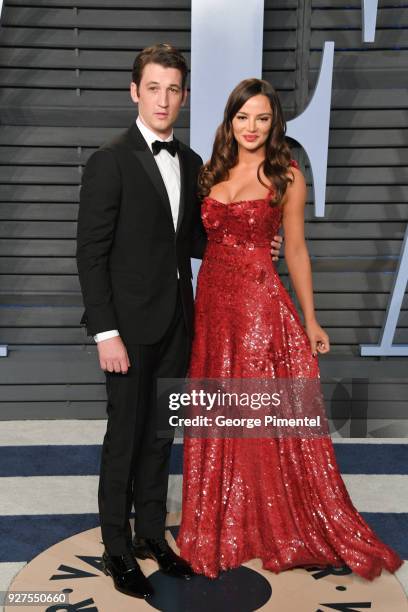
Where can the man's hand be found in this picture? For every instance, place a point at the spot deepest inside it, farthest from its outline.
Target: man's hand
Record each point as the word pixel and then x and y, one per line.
pixel 276 244
pixel 113 355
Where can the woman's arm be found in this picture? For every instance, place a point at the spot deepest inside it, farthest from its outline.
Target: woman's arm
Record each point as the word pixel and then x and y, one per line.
pixel 298 260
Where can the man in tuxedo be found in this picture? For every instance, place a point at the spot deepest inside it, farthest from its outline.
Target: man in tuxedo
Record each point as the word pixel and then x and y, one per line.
pixel 138 225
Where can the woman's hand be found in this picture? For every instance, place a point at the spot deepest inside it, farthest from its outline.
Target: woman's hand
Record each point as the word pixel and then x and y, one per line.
pixel 276 244
pixel 319 340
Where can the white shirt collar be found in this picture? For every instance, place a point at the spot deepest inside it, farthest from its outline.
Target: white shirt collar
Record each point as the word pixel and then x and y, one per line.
pixel 148 135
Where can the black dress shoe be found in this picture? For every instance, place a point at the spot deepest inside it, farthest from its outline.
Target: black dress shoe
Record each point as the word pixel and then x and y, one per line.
pixel 127 576
pixel 160 551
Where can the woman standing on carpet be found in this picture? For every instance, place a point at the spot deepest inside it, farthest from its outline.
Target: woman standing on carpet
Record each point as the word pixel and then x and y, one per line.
pixel 278 499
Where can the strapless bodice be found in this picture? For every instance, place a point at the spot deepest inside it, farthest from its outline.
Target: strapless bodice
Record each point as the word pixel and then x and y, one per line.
pixel 250 223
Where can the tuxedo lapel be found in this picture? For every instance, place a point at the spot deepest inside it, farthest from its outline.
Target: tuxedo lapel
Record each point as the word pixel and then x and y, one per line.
pixel 183 184
pixel 146 159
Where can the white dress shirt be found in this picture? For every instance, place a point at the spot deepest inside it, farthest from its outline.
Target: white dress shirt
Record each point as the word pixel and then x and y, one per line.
pixel 169 167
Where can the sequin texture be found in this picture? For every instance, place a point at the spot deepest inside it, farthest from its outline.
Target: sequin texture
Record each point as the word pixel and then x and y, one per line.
pixel 278 499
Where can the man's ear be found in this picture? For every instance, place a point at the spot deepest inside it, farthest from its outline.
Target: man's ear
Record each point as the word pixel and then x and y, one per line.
pixel 184 99
pixel 134 92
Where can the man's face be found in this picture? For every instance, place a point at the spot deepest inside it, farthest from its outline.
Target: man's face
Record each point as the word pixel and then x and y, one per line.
pixel 159 97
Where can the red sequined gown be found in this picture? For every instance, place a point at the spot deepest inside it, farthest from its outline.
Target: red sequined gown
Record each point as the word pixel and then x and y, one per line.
pixel 278 499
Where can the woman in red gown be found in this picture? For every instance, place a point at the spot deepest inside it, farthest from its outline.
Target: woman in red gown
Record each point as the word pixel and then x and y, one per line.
pixel 279 499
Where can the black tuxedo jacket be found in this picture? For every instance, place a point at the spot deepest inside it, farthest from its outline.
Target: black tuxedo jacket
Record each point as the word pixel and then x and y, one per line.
pixel 128 252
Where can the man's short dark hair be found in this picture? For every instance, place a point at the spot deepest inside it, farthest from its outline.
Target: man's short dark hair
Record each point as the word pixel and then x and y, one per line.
pixel 163 54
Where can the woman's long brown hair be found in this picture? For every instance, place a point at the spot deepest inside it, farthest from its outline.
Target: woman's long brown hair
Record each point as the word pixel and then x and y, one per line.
pixel 225 150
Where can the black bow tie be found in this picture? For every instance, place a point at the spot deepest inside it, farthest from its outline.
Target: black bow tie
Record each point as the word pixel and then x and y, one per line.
pixel 170 146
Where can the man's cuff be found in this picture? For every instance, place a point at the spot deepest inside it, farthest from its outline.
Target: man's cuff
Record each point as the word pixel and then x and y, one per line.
pixel 106 335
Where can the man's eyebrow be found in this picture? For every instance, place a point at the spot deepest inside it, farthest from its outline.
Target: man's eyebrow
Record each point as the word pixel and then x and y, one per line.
pixel 157 83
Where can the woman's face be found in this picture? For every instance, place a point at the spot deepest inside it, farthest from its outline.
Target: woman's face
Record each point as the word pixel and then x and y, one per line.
pixel 253 122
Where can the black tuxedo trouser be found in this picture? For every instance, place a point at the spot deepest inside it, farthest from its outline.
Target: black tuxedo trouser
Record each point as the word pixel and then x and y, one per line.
pixel 135 461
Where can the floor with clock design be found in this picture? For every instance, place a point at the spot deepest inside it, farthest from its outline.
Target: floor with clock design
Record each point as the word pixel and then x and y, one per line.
pixel 51 539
